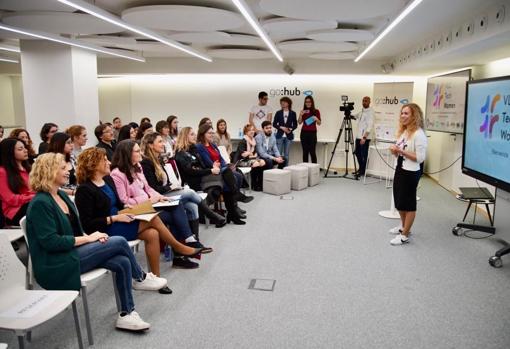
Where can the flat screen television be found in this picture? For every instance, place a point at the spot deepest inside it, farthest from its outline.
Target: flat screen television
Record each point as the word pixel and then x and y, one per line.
pixel 486 144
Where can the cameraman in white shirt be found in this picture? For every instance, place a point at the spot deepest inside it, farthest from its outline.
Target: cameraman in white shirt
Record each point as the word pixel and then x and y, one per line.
pixel 365 124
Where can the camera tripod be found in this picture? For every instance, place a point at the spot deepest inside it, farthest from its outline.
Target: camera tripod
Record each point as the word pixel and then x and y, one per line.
pixel 346 128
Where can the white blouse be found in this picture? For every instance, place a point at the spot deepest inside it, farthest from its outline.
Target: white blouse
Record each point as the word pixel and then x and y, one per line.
pixel 416 143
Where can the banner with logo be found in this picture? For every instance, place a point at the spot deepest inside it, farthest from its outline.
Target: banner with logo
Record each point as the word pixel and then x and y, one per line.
pixel 446 95
pixel 388 100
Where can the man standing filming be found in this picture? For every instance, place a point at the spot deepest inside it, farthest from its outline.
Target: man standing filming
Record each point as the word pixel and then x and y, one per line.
pixel 365 125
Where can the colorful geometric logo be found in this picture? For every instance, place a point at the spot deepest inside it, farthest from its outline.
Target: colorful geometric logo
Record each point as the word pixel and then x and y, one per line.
pixel 438 96
pixel 488 123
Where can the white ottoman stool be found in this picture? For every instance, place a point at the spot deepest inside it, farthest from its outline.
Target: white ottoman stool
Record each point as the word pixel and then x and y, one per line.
pixel 313 173
pixel 276 182
pixel 299 177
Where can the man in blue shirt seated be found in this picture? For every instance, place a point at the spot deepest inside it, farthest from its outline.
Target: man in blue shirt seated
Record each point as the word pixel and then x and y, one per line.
pixel 266 147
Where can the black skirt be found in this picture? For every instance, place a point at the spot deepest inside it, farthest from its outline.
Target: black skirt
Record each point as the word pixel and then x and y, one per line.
pixel 405 184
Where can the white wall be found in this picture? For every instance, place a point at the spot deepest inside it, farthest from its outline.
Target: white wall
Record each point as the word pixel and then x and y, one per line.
pixel 7 116
pixel 230 96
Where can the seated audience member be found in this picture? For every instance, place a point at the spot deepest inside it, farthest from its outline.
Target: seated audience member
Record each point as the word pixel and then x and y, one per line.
pixel 266 146
pixel 211 156
pixel 285 122
pixel 200 177
pixel 99 205
pixel 61 143
pixel 163 129
pixel 173 123
pixel 15 192
pixel 117 125
pixel 132 188
pixel 23 135
pixel 127 132
pixel 222 137
pixel 154 170
pixel 144 128
pixel 246 156
pixel 104 135
pixel 47 131
pixel 79 138
pixel 60 250
pixel 135 126
pixel 144 120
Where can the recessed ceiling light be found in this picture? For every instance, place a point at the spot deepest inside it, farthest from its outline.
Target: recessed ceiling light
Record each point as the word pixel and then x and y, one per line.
pixel 107 16
pixel 70 42
pixel 250 17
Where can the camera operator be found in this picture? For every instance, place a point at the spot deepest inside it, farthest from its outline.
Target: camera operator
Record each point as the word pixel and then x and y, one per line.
pixel 365 123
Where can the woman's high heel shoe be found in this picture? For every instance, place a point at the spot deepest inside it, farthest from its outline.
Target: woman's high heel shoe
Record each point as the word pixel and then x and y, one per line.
pixel 197 252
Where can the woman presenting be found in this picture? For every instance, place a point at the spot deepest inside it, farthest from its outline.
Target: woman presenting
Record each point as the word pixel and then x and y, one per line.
pixel 410 151
pixel 310 117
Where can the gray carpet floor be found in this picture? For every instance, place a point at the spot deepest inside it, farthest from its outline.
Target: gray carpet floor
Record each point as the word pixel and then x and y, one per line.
pixel 339 283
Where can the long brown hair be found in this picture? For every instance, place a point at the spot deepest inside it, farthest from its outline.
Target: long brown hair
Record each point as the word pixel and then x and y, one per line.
pixel 416 121
pixel 15 134
pixel 202 130
pixel 225 134
pixel 122 159
pixel 150 154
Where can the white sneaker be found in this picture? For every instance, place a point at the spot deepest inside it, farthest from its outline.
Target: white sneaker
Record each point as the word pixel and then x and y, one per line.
pixel 151 283
pixel 132 322
pixel 399 240
pixel 396 230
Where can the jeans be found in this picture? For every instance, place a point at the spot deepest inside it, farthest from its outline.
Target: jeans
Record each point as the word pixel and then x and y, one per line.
pixel 361 152
pixel 283 145
pixel 190 199
pixel 176 219
pixel 308 143
pixel 270 164
pixel 114 255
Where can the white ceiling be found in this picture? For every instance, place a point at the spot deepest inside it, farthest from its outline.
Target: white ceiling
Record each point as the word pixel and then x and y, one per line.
pixel 304 30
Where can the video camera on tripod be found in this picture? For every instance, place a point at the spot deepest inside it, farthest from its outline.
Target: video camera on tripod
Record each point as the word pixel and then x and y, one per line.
pixel 346 128
pixel 347 107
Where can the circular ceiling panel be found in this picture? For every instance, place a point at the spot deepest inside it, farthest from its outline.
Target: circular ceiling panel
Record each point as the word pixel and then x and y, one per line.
pixel 340 35
pixel 316 46
pixel 60 23
pixel 202 37
pixel 30 5
pixel 333 55
pixel 341 10
pixel 239 53
pixel 183 18
pixel 295 26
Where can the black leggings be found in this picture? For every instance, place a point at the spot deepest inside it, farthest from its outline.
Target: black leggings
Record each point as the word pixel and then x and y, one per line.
pixel 17 217
pixel 308 143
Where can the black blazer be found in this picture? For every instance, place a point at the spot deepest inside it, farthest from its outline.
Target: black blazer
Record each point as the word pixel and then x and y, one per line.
pixel 191 167
pixel 94 206
pixel 109 149
pixel 149 171
pixel 241 148
pixel 291 123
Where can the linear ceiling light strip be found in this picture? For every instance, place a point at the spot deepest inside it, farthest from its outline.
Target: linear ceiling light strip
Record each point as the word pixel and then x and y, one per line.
pixel 70 42
pixel 9 60
pixel 250 17
pixel 9 48
pixel 392 25
pixel 108 17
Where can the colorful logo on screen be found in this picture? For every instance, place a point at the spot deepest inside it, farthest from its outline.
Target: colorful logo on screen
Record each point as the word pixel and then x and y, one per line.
pixel 489 120
pixel 438 96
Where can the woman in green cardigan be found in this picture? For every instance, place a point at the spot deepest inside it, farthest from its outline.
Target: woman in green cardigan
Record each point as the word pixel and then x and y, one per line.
pixel 60 250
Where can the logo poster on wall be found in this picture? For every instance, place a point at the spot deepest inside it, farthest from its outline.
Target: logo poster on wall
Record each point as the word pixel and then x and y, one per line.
pixel 388 100
pixel 446 104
